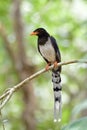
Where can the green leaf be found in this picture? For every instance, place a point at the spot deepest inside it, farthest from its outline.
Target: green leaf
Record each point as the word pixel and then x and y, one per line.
pixel 80 124
pixel 80 107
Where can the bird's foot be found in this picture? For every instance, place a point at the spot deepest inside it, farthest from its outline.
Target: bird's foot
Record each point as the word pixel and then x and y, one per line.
pixel 47 67
pixel 55 64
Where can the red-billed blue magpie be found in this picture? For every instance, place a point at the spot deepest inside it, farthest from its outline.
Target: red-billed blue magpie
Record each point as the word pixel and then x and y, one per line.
pixel 49 50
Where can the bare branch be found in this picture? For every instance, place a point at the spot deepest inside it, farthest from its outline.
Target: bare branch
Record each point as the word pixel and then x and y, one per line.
pixel 7 95
pixel 11 91
pixel 3 125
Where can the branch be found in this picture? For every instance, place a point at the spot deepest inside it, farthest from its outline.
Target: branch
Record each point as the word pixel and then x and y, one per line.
pixel 7 94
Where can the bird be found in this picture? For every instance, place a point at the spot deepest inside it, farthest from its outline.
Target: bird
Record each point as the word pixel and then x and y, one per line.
pixel 49 50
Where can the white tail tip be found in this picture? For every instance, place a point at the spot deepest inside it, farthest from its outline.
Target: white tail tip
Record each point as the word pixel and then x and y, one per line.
pixel 59 120
pixel 55 120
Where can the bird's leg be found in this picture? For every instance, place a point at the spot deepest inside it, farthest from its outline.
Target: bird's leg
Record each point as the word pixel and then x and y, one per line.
pixel 55 64
pixel 47 66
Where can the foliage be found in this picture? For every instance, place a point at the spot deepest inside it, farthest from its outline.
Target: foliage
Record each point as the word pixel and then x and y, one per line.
pixel 67 21
pixel 77 125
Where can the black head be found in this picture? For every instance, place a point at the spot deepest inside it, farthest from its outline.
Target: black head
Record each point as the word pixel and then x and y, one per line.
pixel 40 32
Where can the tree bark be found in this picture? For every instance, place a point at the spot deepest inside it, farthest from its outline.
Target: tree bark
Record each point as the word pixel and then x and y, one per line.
pixel 21 65
pixel 25 70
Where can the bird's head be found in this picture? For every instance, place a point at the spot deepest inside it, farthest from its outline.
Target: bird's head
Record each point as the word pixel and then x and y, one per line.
pixel 40 32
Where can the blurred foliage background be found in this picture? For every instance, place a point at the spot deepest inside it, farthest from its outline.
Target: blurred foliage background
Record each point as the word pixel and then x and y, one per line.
pixel 66 20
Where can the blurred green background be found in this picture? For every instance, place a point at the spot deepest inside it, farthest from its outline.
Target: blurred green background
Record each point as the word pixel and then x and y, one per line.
pixel 31 108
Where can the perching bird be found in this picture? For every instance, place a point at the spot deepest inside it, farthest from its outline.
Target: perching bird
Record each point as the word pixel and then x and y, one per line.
pixel 48 48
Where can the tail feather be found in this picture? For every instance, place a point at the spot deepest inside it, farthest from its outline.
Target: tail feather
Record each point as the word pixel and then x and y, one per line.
pixel 56 79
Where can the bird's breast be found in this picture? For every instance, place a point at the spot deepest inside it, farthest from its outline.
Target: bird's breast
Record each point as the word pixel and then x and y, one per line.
pixel 48 51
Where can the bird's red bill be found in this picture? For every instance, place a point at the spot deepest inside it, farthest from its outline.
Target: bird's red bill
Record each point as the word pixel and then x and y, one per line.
pixel 34 33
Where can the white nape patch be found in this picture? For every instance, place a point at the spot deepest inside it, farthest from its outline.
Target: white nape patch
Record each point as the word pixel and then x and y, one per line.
pixel 48 51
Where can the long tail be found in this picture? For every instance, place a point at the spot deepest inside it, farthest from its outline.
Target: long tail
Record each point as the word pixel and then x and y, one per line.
pixel 56 79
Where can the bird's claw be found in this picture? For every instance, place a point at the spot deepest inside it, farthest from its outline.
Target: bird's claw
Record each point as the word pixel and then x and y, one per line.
pixel 47 67
pixel 55 64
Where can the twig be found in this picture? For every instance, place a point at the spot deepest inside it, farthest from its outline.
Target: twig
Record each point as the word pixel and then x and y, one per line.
pixel 11 91
pixel 1 118
pixel 7 94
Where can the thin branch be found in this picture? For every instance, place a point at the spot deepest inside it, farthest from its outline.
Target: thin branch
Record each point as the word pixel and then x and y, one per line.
pixel 4 95
pixel 11 91
pixel 3 125
pixel 7 94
